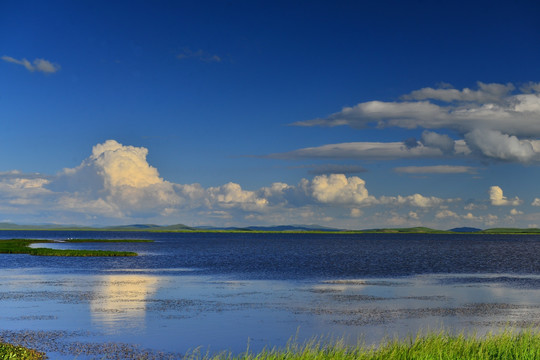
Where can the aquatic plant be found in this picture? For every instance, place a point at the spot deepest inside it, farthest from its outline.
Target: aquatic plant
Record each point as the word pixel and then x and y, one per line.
pixel 22 246
pixel 13 352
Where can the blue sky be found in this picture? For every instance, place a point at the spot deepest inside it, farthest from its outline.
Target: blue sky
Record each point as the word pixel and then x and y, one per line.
pixel 347 114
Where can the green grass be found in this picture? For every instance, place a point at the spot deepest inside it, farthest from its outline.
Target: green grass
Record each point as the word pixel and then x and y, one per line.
pixel 13 352
pixel 434 346
pixel 507 345
pixel 511 231
pixel 21 246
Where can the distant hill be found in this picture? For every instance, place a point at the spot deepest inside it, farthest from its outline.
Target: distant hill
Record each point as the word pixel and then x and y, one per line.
pixel 292 228
pixel 149 227
pixel 276 228
pixel 465 229
pixel 133 227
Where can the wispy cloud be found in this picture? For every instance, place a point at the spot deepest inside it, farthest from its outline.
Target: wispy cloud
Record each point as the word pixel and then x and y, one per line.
pixel 332 169
pixel 372 151
pixel 40 65
pixel 486 93
pixel 200 55
pixel 436 169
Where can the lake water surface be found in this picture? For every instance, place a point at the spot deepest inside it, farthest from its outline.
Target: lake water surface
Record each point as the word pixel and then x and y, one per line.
pixel 223 291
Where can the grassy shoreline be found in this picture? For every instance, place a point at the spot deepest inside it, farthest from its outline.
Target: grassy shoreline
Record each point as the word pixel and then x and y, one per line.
pixel 442 345
pixel 9 352
pixel 22 246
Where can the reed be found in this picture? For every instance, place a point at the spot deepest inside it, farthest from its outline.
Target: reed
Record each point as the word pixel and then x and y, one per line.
pixel 509 344
pixel 523 345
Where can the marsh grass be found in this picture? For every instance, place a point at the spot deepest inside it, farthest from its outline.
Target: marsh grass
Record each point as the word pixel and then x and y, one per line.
pixel 523 345
pixel 505 345
pixel 13 352
pixel 22 246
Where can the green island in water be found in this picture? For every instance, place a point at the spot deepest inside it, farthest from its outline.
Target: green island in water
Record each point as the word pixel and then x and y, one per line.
pixel 22 246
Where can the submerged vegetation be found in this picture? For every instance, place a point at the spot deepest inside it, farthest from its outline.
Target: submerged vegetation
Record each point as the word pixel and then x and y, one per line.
pixel 22 246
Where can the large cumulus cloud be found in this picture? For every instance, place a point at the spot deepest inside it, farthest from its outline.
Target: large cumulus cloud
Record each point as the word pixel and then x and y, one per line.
pixel 497 198
pixel 120 178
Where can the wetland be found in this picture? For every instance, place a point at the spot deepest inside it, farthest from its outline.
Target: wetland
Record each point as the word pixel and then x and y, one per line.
pixel 224 292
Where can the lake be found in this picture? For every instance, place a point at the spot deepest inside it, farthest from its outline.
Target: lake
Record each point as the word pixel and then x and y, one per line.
pixel 228 291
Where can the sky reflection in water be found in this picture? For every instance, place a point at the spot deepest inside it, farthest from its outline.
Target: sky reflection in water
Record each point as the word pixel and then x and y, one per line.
pixel 221 292
pixel 178 313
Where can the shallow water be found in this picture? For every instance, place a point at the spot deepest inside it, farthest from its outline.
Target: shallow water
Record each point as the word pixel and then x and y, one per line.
pixel 225 291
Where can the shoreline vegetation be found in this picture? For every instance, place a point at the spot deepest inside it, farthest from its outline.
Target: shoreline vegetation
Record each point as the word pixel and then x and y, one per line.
pixel 22 246
pixel 507 344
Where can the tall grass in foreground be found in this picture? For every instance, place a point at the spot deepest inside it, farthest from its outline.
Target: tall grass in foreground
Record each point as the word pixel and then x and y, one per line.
pixel 506 345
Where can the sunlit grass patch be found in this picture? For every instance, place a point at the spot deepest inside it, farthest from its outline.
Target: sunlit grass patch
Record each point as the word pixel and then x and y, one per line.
pixel 13 352
pixel 22 246
pixel 441 346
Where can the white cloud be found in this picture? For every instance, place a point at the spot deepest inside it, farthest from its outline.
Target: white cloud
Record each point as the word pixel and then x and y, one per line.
pixel 381 114
pixel 121 176
pixel 495 123
pixel 498 199
pixel 416 200
pixel 490 219
pixel 231 195
pixel 536 202
pixel 338 189
pixel 438 141
pixel 446 214
pixel 516 212
pixel 355 212
pixel 487 93
pixel 38 64
pixel 516 115
pixel 370 150
pixel 496 145
pixel 530 87
pixel 124 165
pixel 470 216
pixel 17 188
pixel 116 184
pixel 86 206
pixel 435 169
